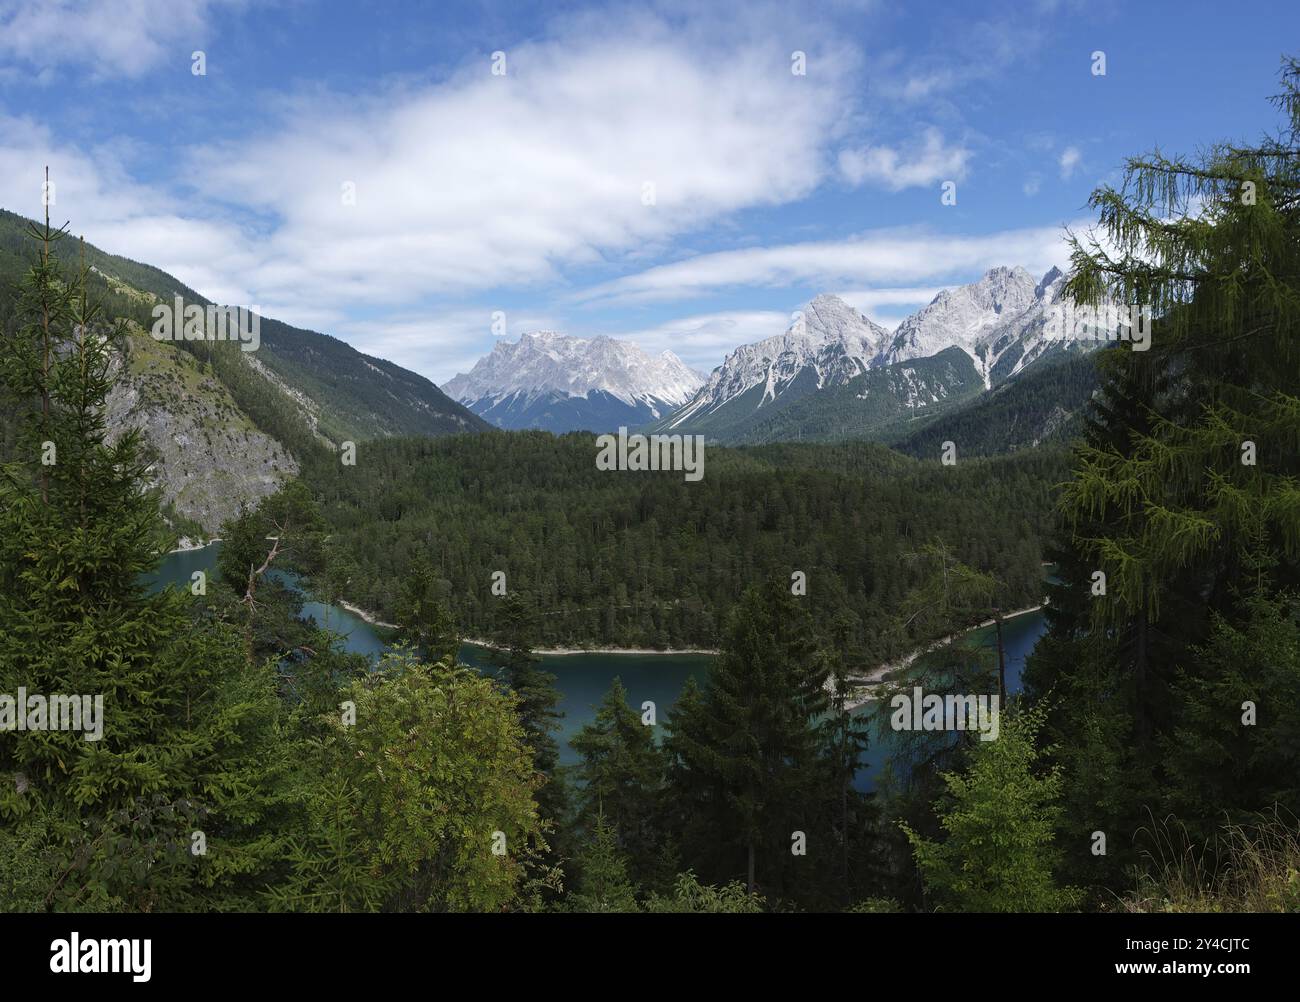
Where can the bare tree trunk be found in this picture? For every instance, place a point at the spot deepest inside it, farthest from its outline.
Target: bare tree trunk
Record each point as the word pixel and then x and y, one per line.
pixel 844 833
pixel 1002 659
pixel 1140 678
pixel 45 340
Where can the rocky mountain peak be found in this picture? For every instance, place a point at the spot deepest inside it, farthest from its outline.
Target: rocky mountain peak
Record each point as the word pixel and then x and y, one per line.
pixel 1050 283
pixel 543 363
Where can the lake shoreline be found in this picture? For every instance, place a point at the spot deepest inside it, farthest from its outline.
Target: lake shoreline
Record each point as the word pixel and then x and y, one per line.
pixel 560 652
pixel 188 547
pixel 864 687
pixel 369 617
pixel 557 652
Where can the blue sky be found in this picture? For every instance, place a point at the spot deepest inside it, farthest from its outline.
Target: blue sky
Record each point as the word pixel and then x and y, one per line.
pixel 651 170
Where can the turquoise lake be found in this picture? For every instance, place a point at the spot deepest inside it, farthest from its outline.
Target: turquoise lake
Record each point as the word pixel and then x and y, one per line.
pixel 582 679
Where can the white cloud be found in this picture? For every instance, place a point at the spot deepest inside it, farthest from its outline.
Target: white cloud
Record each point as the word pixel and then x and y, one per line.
pixel 490 181
pixel 927 163
pixel 969 51
pixel 882 305
pixel 704 340
pixel 440 343
pixel 481 182
pixel 907 256
pixel 122 38
pixel 93 191
pixel 1033 183
pixel 474 183
pixel 1069 161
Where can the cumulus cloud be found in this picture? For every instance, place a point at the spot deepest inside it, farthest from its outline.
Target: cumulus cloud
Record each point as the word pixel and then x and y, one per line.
pixel 929 162
pixel 588 149
pixel 613 141
pixel 601 145
pixel 125 38
pixel 94 191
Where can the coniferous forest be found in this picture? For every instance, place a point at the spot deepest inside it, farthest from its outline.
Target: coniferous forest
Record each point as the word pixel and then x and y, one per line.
pixel 245 758
pixel 647 559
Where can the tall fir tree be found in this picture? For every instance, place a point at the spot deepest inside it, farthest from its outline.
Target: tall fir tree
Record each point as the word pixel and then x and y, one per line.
pixel 747 760
pixel 621 779
pixel 1184 506
pixel 538 700
pixel 422 616
pixel 168 807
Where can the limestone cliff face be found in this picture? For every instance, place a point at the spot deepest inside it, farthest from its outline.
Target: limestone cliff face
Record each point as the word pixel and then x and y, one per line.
pixel 209 458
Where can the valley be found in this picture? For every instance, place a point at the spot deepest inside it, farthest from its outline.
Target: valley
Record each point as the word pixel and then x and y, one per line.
pixel 843 559
pixel 583 677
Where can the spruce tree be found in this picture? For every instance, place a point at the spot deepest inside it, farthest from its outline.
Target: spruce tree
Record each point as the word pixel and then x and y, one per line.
pixel 423 617
pixel 747 760
pixel 537 701
pixel 186 744
pixel 1221 768
pixel 621 779
pixel 999 820
pixel 603 884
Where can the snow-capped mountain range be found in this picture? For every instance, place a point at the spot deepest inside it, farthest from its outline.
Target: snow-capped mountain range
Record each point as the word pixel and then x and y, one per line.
pixel 560 383
pixel 828 344
pixel 975 318
pixel 997 322
pixel 555 382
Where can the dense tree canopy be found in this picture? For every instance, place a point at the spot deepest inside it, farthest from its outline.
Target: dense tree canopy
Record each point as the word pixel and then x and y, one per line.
pixel 648 559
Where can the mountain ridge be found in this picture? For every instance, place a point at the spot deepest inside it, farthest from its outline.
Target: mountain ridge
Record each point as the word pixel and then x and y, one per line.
pixel 818 375
pixel 827 343
pixel 227 426
pixel 557 382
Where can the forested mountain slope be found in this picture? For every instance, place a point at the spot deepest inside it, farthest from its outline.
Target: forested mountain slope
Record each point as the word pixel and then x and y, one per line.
pixel 648 559
pixel 878 404
pixel 917 405
pixel 1044 405
pixel 225 426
